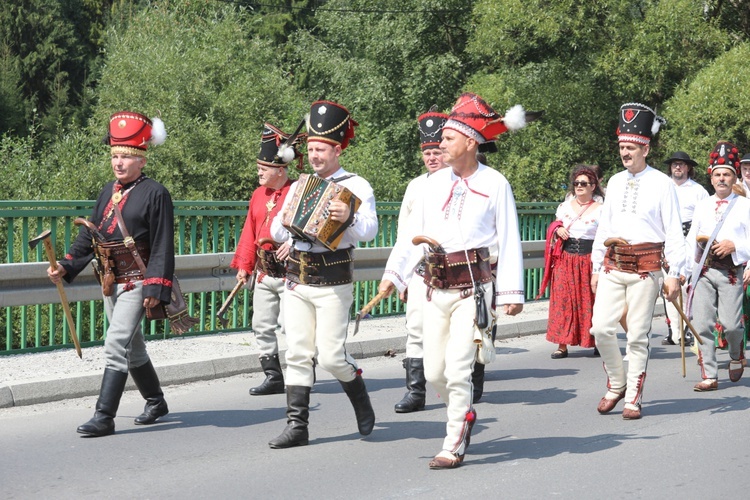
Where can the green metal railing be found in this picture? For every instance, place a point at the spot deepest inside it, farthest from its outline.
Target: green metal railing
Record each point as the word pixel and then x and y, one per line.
pixel 202 227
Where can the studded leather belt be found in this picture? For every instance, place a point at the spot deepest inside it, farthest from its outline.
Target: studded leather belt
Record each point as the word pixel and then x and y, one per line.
pixel 321 269
pixel 578 246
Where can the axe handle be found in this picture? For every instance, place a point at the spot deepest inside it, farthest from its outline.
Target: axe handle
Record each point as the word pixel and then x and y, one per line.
pixel 685 319
pixel 229 300
pixel 63 297
pixel 365 310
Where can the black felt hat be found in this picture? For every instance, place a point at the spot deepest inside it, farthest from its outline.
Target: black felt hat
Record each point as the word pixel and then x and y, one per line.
pixel 274 149
pixel 431 128
pixel 680 156
pixel 638 123
pixel 724 155
pixel 330 122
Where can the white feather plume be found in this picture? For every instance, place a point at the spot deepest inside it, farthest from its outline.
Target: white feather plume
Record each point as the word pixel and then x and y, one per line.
pixel 515 118
pixel 655 127
pixel 158 132
pixel 286 153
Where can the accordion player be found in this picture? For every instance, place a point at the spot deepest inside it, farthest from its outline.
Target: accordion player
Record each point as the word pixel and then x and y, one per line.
pixel 307 217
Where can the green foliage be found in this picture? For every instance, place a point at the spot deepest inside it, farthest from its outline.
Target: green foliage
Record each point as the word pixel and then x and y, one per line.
pixel 214 88
pixel 712 107
pixel 216 70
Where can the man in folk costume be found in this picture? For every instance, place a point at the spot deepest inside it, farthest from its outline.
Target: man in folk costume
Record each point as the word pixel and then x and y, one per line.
pixel 689 193
pixel 251 256
pixel 719 240
pixel 148 217
pixel 319 290
pixel 640 226
pixel 430 126
pixel 468 214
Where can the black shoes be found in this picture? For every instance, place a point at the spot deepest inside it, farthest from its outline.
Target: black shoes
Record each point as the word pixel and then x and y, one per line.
pixel 360 400
pixel 297 417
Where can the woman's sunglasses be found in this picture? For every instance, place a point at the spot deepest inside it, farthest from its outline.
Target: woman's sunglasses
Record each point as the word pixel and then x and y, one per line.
pixel 582 183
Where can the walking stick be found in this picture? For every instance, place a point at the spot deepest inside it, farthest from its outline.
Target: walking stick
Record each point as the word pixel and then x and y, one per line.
pixel 684 317
pixel 682 339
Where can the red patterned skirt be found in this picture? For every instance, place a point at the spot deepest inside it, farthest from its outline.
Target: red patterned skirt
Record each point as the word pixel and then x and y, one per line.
pixel 571 301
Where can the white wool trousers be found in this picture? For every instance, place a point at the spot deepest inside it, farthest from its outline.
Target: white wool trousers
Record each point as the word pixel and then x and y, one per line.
pixel 614 291
pixel 450 354
pixel 317 316
pixel 415 305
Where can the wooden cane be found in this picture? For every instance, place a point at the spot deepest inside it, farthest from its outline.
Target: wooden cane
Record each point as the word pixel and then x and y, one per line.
pixel 682 339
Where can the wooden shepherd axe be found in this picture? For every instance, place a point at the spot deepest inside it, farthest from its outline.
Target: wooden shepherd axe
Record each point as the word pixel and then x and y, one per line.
pixel 44 238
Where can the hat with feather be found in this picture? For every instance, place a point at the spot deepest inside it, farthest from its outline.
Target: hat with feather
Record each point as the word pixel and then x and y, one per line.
pixel 278 149
pixel 638 123
pixel 473 117
pixel 131 133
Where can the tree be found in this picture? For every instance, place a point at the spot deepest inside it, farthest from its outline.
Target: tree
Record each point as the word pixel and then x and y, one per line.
pixel 710 108
pixel 212 84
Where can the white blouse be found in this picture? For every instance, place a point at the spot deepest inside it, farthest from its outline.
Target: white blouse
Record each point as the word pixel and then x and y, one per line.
pixel 583 227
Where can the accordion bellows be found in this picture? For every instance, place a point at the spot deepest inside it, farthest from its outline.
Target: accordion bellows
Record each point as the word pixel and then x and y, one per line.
pixel 307 216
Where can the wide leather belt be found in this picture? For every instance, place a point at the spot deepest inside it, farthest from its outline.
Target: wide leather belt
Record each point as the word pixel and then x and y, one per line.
pixel 635 259
pixel 451 270
pixel 121 259
pixel 578 246
pixel 268 264
pixel 712 260
pixel 321 269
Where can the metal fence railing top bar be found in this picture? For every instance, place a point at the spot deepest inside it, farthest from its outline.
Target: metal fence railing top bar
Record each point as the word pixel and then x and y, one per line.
pixel 201 227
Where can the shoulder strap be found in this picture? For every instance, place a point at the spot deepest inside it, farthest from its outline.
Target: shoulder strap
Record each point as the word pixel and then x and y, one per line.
pixel 127 239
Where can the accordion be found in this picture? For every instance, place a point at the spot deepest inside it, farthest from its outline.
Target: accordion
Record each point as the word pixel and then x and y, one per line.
pixel 307 217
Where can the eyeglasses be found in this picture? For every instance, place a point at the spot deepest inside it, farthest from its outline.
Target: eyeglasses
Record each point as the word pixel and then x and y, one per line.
pixel 582 183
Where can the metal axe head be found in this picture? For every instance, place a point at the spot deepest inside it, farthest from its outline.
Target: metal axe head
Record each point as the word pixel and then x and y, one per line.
pixel 223 319
pixel 45 234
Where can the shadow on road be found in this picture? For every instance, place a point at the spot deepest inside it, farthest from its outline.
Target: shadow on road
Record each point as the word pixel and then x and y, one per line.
pixel 507 449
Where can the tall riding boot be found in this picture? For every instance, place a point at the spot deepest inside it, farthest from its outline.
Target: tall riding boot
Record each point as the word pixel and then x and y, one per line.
pixel 103 421
pixel 414 399
pixel 147 381
pixel 357 393
pixel 274 382
pixel 297 417
pixel 477 379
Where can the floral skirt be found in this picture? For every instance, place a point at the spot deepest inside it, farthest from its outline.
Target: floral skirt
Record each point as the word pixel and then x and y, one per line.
pixel 571 301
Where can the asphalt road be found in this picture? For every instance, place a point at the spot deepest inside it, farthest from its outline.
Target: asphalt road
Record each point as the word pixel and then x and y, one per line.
pixel 538 435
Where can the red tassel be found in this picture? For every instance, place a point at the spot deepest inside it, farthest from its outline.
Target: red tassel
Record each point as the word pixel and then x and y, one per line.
pixel 129 286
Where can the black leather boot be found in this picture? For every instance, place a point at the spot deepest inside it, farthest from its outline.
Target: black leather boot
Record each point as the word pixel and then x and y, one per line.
pixel 274 382
pixel 297 417
pixel 477 379
pixel 147 381
pixel 357 393
pixel 414 399
pixel 103 421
